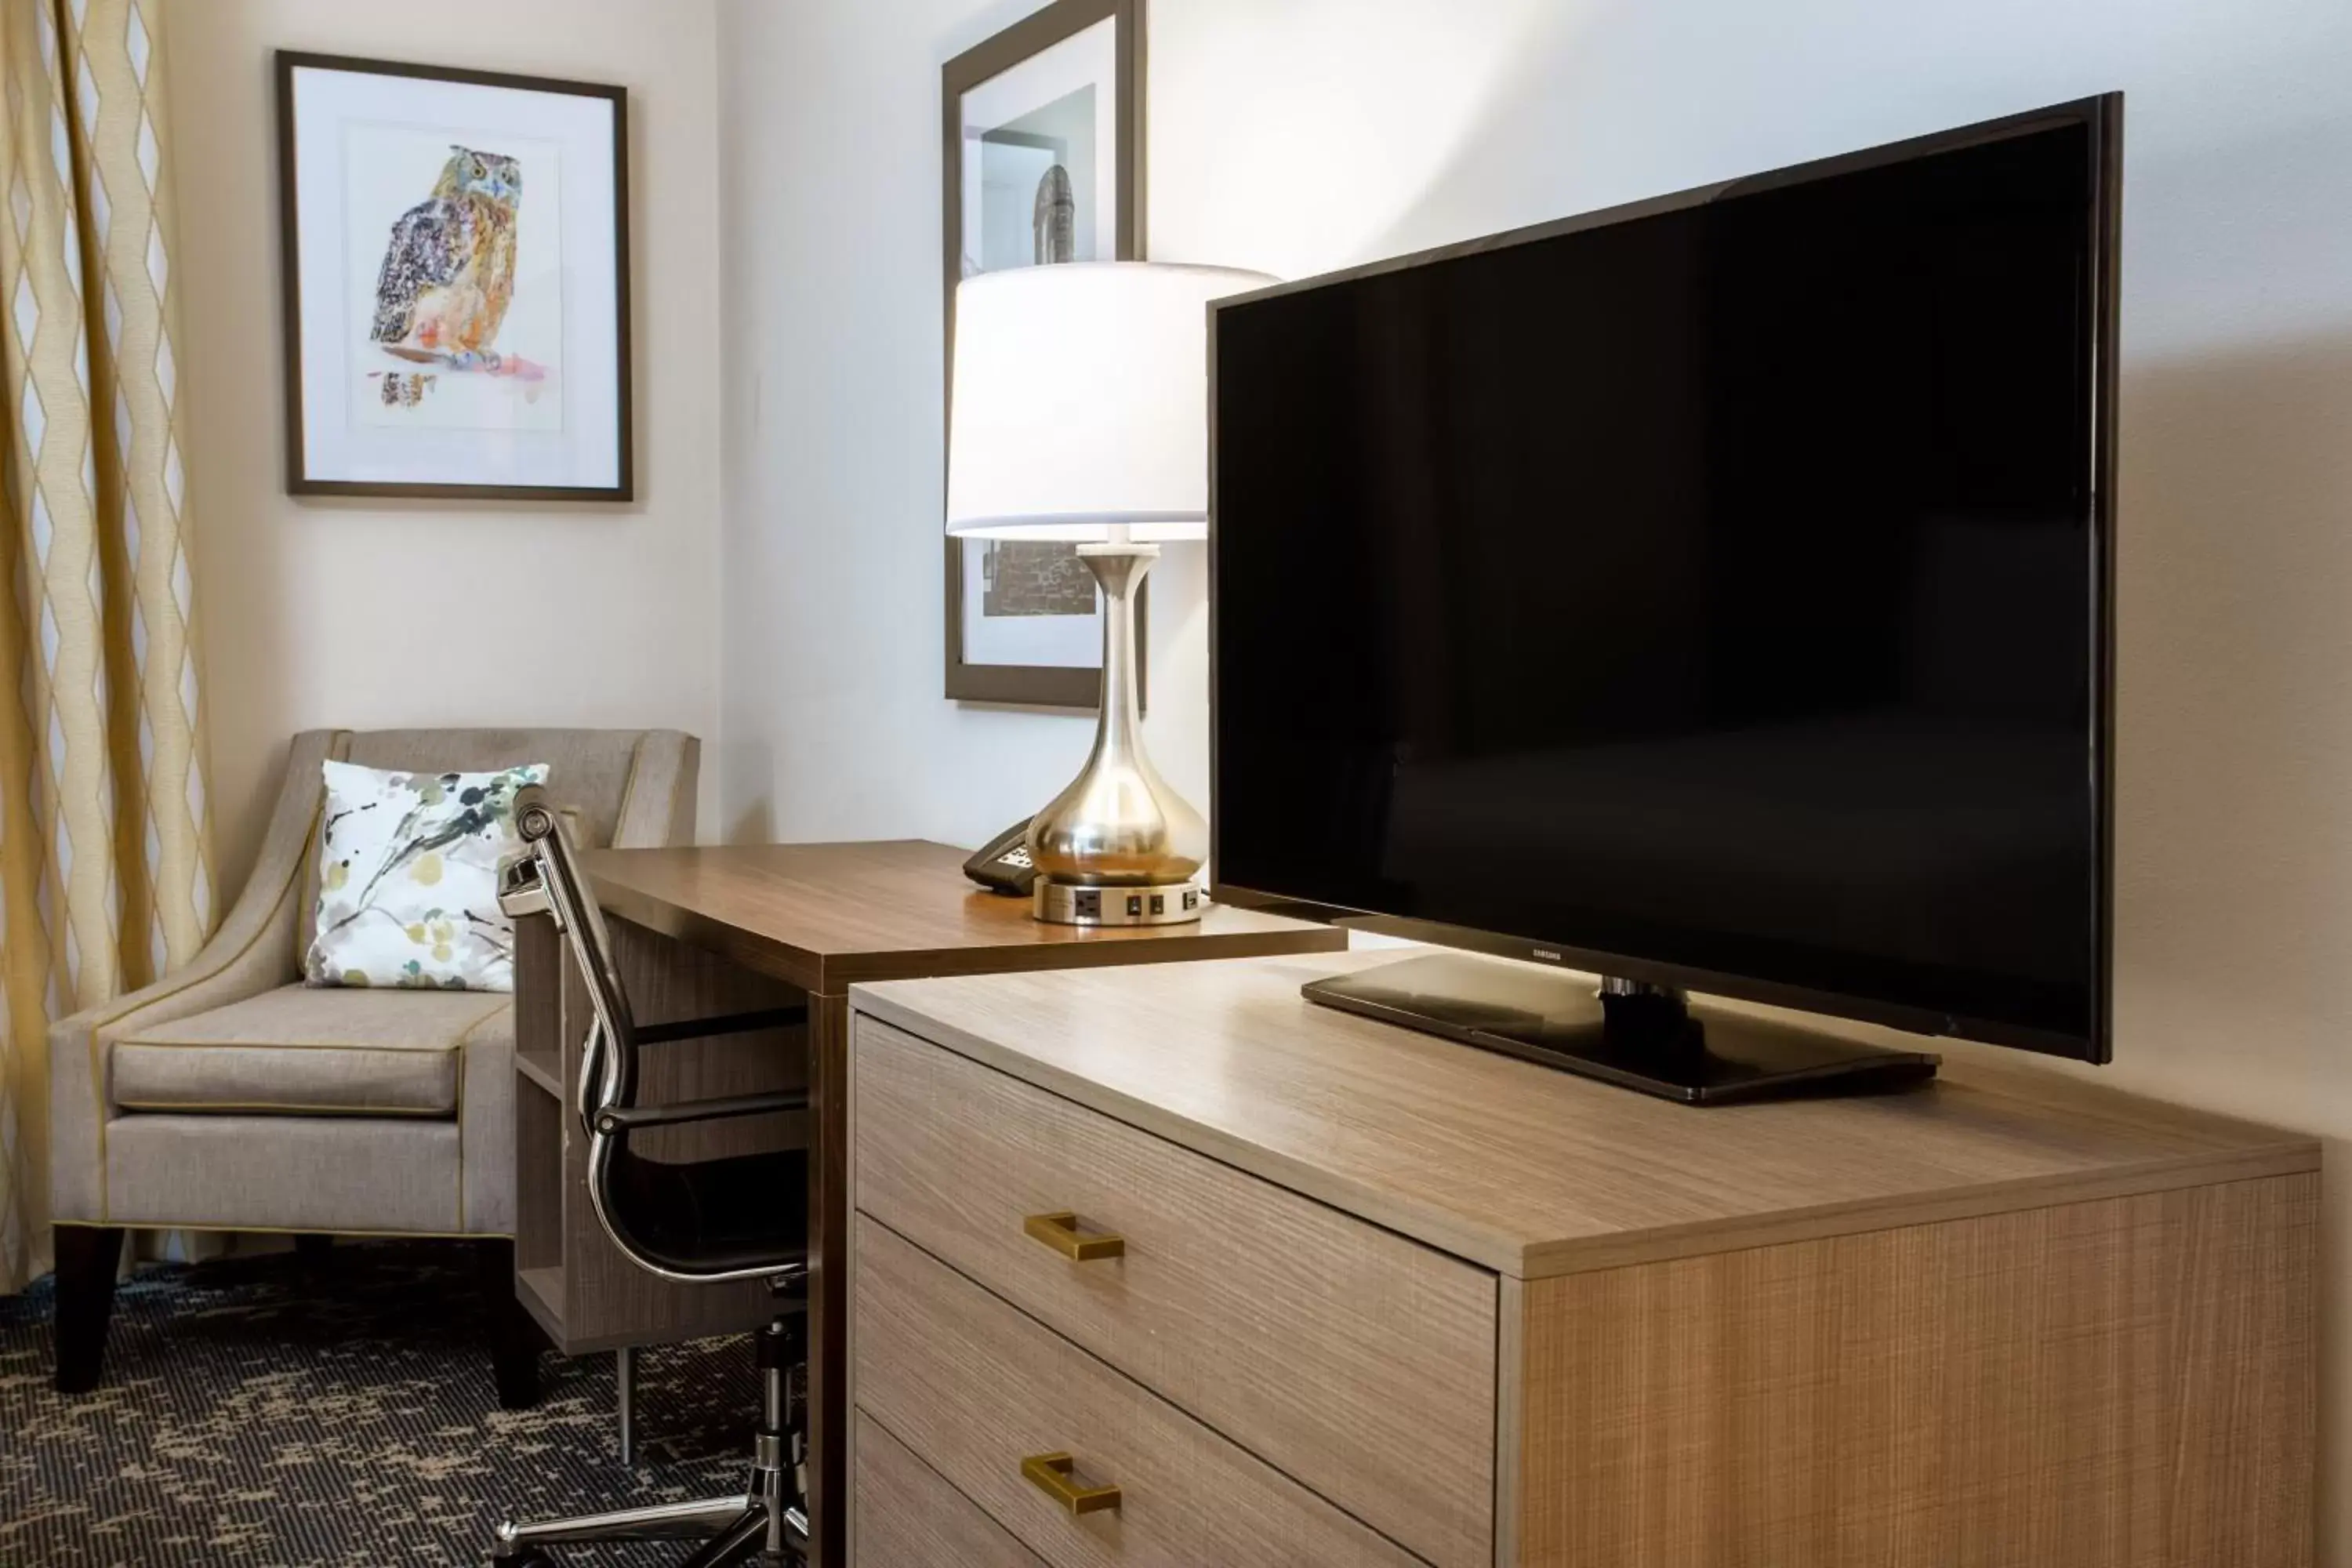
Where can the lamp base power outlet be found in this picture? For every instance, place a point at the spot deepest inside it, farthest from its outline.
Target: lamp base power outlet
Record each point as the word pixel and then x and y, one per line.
pixel 1155 904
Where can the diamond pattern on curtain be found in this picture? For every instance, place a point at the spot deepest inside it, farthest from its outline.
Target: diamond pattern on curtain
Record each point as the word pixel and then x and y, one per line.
pixel 106 876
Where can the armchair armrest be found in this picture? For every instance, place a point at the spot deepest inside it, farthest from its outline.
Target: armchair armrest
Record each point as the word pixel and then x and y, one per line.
pixel 664 778
pixel 618 1119
pixel 252 951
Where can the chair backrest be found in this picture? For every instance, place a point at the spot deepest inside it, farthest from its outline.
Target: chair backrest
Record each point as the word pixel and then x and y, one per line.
pixel 629 788
pixel 639 1201
pixel 608 1068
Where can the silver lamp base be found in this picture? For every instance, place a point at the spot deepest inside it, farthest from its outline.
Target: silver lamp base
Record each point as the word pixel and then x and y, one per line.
pixel 1117 846
pixel 1159 904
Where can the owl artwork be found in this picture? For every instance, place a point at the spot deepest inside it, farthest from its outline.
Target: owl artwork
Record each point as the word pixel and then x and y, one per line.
pixel 449 272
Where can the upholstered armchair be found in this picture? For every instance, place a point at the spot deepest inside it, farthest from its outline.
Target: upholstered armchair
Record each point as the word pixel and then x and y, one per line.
pixel 229 1096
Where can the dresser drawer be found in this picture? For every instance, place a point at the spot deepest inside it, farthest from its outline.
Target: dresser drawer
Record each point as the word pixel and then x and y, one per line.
pixel 1359 1362
pixel 908 1517
pixel 974 1388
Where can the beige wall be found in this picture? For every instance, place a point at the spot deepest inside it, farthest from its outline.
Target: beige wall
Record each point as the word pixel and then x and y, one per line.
pixel 378 613
pixel 1306 134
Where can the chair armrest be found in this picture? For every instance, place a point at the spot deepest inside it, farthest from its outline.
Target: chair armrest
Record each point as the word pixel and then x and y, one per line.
pixel 252 951
pixel 637 1118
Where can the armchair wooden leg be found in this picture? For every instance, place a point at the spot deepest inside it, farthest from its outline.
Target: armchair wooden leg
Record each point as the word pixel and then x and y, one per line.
pixel 88 1257
pixel 515 1337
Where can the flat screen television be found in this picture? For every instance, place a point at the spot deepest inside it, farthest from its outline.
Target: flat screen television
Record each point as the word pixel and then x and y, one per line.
pixel 1712 593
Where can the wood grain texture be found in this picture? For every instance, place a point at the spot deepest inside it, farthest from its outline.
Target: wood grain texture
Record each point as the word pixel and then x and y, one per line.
pixel 825 916
pixel 540 1291
pixel 668 981
pixel 532 1070
pixel 537 1003
pixel 538 1177
pixel 971 1385
pixel 829 1275
pixel 843 1338
pixel 1510 1414
pixel 909 1517
pixel 1348 1357
pixel 2123 1384
pixel 1532 1171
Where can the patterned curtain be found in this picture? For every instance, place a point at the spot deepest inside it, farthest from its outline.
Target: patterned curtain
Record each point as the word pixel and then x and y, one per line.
pixel 106 876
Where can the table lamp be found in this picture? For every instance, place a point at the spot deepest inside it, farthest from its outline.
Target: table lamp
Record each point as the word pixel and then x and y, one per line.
pixel 1080 412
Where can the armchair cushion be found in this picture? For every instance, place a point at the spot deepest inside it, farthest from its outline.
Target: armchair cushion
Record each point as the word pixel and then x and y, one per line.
pixel 299 1050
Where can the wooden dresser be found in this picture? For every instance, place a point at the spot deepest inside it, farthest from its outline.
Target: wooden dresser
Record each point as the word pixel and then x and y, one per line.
pixel 1165 1267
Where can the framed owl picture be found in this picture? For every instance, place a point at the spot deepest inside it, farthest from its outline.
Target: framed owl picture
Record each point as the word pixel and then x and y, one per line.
pixel 456 283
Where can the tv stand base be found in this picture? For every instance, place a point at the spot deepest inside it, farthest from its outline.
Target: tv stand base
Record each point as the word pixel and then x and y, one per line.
pixel 1633 1035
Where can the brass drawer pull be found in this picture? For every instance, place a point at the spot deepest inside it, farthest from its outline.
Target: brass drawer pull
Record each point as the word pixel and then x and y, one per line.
pixel 1060 1232
pixel 1051 1474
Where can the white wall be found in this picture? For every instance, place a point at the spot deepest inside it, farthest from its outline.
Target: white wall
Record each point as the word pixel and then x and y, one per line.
pixel 1297 135
pixel 370 613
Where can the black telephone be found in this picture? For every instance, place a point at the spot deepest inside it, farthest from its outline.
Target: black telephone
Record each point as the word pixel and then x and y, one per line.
pixel 1002 865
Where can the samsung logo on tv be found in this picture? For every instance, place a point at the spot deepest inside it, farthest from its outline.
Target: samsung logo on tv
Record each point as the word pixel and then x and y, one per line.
pixel 1548 955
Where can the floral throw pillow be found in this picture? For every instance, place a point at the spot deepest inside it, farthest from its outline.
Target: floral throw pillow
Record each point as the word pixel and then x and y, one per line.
pixel 408 879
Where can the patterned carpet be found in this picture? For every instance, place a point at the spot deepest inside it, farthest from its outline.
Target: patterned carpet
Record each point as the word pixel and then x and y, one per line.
pixel 338 1412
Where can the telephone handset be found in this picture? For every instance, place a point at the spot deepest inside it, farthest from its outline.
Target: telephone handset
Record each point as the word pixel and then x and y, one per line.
pixel 1002 865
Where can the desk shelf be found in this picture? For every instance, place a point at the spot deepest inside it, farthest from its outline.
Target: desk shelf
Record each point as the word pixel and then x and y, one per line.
pixel 539 1070
pixel 541 1291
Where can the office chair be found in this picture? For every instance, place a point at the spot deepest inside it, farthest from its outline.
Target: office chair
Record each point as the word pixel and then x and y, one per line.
pixel 740 1217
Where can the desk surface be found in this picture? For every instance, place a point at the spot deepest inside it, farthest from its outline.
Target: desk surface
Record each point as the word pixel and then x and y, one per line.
pixel 1536 1173
pixel 826 916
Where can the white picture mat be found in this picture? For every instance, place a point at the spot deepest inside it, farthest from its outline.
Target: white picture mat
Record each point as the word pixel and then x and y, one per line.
pixel 1005 230
pixel 1083 59
pixel 1073 642
pixel 585 452
pixel 1086 58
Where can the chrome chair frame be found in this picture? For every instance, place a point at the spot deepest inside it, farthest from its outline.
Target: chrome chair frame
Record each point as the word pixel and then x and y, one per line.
pixel 767 1522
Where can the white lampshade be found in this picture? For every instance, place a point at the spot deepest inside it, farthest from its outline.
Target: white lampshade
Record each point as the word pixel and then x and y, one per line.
pixel 1082 400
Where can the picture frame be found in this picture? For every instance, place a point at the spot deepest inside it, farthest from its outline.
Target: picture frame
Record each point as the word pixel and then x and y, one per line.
pixel 1047 116
pixel 455 257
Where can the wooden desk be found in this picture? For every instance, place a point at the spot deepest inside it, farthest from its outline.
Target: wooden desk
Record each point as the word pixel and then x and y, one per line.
pixel 707 930
pixel 1382 1301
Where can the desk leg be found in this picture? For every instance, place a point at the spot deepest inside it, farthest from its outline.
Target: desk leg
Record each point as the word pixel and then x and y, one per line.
pixel 828 1408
